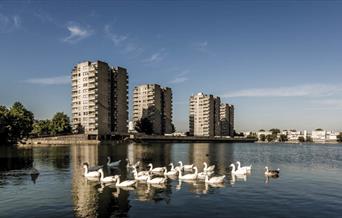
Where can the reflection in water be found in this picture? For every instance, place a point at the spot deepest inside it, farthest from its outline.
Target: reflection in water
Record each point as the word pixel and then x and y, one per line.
pixel 61 182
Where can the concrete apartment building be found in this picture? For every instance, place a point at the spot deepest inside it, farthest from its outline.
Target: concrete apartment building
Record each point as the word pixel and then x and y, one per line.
pixel 227 119
pixel 204 115
pixel 99 99
pixel 208 117
pixel 155 103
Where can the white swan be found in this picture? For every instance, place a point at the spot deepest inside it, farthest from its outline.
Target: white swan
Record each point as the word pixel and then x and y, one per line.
pixel 247 168
pixel 238 171
pixel 215 179
pixel 208 169
pixel 156 180
pixel 269 172
pixel 91 174
pixel 112 164
pixel 191 176
pixel 172 172
pixel 129 165
pixel 156 170
pixel 124 183
pixel 107 179
pixel 187 167
pixel 202 175
pixel 141 173
pixel 142 177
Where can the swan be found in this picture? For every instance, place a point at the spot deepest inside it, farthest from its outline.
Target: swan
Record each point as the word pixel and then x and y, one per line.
pixel 247 168
pixel 172 172
pixel 188 167
pixel 129 165
pixel 156 180
pixel 91 174
pixel 142 177
pixel 191 176
pixel 269 172
pixel 208 169
pixel 214 180
pixel 141 173
pixel 113 164
pixel 124 183
pixel 155 170
pixel 107 179
pixel 202 175
pixel 238 171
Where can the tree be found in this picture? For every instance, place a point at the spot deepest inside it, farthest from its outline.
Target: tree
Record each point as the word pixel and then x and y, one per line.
pixel 283 138
pixel 339 137
pixel 301 139
pixel 270 138
pixel 319 129
pixel 275 131
pixel 60 124
pixel 309 139
pixel 15 123
pixel 261 130
pixel 144 125
pixel 42 127
pixel 252 136
pixel 262 137
pixel 173 128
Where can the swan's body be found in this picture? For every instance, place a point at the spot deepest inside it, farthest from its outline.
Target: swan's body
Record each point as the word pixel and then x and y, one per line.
pixel 113 164
pixel 208 169
pixel 269 172
pixel 238 171
pixel 107 179
pixel 142 177
pixel 91 174
pixel 202 175
pixel 214 180
pixel 156 180
pixel 187 167
pixel 124 183
pixel 94 168
pixel 172 172
pixel 141 173
pixel 191 176
pixel 156 170
pixel 247 168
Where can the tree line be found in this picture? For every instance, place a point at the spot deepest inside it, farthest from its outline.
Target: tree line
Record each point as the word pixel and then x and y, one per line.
pixel 17 123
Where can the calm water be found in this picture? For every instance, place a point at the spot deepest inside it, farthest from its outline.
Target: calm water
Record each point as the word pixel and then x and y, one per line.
pixel 310 183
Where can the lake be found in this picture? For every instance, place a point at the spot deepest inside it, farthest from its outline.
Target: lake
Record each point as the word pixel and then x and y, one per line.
pixel 309 185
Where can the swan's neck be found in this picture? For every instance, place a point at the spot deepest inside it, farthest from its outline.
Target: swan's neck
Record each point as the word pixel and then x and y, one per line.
pixel 266 169
pixel 85 170
pixel 118 181
pixel 102 176
pixel 206 178
pixel 196 171
pixel 180 173
pixel 151 167
pixel 108 162
pixel 172 167
pixel 233 168
pixel 239 165
pixel 205 166
pixel 181 163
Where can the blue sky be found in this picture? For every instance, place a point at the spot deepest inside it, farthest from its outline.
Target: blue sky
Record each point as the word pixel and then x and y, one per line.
pixel 279 62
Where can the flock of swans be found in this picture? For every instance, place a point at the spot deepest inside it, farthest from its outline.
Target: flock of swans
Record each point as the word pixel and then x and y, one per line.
pixel 160 175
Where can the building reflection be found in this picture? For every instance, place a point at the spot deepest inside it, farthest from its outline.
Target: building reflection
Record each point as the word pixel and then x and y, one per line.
pixel 87 200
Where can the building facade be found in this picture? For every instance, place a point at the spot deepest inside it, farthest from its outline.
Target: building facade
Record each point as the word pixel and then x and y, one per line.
pixel 227 119
pixel 155 103
pixel 99 99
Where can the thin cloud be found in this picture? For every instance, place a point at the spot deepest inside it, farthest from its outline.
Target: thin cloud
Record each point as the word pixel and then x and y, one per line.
pixel 311 90
pixel 9 23
pixel 180 78
pixel 58 80
pixel 77 33
pixel 155 57
pixel 326 104
pixel 115 38
pixel 201 46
